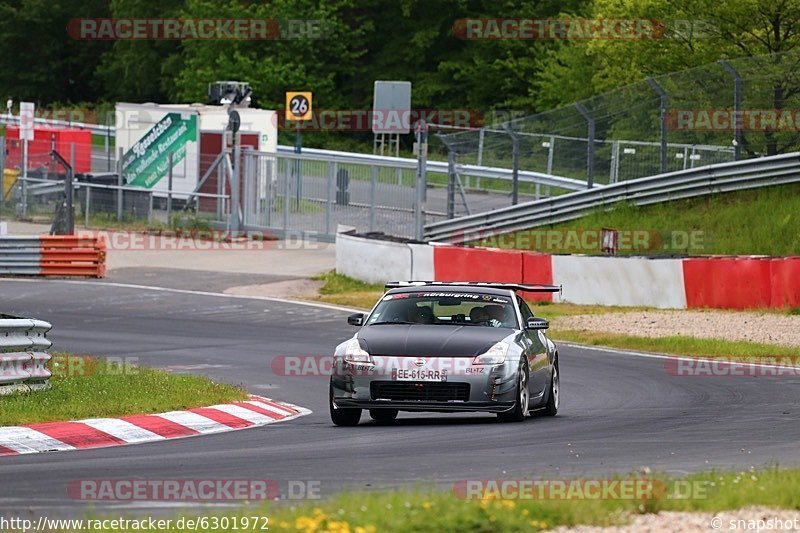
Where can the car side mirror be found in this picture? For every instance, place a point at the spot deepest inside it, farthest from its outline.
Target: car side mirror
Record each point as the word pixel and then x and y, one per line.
pixel 356 319
pixel 537 323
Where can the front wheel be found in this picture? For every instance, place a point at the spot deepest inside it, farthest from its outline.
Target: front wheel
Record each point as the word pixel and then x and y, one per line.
pixel 551 409
pixel 517 414
pixel 343 416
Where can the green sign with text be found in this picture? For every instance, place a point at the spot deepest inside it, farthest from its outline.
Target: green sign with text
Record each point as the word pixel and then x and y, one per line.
pixel 147 162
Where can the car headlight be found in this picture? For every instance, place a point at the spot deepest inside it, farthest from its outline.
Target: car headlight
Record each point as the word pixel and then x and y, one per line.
pixel 493 356
pixel 354 353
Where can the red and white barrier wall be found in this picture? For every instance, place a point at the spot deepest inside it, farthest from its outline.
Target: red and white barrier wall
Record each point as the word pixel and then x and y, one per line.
pixel 714 282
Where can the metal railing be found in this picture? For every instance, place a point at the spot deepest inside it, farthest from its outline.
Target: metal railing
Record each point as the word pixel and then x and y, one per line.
pixel 724 177
pixel 23 354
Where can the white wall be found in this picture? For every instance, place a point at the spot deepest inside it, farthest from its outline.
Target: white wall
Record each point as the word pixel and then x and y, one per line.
pixel 623 281
pixel 372 260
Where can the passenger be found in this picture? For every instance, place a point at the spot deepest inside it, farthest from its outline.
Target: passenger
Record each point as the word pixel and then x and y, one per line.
pixel 479 315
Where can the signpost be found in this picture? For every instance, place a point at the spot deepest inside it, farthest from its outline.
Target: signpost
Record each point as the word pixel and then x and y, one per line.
pixel 298 108
pixel 26 125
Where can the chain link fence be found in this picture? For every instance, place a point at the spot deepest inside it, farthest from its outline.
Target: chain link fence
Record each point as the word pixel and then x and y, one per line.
pixel 723 111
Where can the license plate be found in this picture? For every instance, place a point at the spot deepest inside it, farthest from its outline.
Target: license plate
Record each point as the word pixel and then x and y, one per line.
pixel 418 374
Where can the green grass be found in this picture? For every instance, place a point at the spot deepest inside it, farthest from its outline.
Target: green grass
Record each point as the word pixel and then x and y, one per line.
pixel 762 221
pixel 341 290
pixel 86 387
pixel 677 345
pixel 429 509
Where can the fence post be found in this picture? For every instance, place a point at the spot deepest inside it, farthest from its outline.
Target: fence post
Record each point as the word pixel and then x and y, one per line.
pixel 663 107
pixel 422 179
pixel 451 183
pixel 88 200
pixel 590 144
pixel 169 189
pixel 2 175
pixel 481 135
pixel 514 163
pixel 329 196
pixel 119 183
pixel 373 181
pixel 737 108
pixel 236 221
pixel 70 190
pixel 286 196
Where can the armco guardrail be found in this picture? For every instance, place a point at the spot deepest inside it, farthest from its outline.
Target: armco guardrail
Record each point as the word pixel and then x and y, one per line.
pixel 53 255
pixel 23 354
pixel 434 167
pixel 724 177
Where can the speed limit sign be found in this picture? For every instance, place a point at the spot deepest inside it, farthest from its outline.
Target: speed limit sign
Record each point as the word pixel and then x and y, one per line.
pixel 298 105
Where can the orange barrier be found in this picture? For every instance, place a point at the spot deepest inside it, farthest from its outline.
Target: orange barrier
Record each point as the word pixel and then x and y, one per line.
pixel 728 282
pixel 456 263
pixel 537 268
pixel 785 282
pixel 69 255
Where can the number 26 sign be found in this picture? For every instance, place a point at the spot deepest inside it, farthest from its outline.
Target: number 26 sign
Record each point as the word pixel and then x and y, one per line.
pixel 298 105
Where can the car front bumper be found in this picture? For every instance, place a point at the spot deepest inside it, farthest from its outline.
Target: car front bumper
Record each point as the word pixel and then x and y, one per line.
pixel 488 388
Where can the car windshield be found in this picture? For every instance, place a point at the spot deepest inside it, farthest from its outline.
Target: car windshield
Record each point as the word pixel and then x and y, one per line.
pixel 463 309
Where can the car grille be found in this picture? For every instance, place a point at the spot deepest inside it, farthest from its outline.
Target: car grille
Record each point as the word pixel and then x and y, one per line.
pixel 421 391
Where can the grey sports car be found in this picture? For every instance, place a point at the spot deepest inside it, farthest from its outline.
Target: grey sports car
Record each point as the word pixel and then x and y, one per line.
pixel 446 347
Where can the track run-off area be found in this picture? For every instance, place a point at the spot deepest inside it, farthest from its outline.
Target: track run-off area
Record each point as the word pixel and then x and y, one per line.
pixel 620 412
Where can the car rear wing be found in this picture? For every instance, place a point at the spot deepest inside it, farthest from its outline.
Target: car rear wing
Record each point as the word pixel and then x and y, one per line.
pixel 485 284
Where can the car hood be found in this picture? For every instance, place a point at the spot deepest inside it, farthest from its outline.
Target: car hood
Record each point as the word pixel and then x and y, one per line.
pixel 430 340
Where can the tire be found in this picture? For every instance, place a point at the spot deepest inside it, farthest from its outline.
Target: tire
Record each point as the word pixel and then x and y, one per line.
pixel 554 399
pixel 383 415
pixel 522 405
pixel 343 417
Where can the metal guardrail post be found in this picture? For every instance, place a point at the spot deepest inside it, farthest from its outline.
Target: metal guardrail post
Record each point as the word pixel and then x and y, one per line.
pixel 663 110
pixel 737 109
pixel 589 144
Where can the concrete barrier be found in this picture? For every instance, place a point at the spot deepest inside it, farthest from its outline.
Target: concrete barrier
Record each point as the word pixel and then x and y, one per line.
pixel 669 283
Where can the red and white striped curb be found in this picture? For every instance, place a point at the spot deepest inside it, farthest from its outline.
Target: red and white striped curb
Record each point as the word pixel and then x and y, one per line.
pixel 103 432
